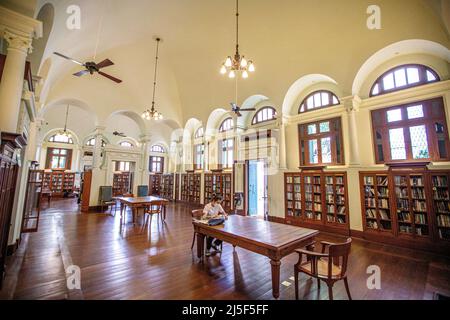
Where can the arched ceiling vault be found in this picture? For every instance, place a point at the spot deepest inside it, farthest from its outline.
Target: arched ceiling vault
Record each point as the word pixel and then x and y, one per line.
pixel 287 40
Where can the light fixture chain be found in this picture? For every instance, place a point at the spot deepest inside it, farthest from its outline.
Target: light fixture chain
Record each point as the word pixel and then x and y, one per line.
pixel 154 77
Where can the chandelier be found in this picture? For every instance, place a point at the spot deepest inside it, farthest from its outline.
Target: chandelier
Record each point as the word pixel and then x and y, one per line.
pixel 238 63
pixel 65 133
pixel 152 113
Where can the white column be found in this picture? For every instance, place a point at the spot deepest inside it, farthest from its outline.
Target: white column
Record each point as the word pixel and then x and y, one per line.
pixel 97 161
pixel 352 107
pixel 12 80
pixel 145 140
pixel 282 146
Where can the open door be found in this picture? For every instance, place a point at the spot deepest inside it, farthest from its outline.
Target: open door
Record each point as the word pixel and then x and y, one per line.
pixel 32 205
pixel 257 188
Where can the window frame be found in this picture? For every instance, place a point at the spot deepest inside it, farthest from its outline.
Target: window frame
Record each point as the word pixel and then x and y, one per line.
pixel 154 148
pixel 422 79
pixel 70 139
pixel 427 120
pixel 228 149
pixel 156 160
pixel 118 163
pixel 331 96
pixel 50 156
pixel 255 117
pixel 129 144
pixel 221 129
pixel 199 151
pixel 304 139
pixel 197 135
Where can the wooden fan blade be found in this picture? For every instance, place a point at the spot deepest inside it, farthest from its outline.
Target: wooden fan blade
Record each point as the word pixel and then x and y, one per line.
pixel 110 77
pixel 105 63
pixel 81 73
pixel 66 57
pixel 239 114
pixel 247 109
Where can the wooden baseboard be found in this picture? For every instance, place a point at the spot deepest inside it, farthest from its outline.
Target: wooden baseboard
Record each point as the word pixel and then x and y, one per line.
pixel 429 246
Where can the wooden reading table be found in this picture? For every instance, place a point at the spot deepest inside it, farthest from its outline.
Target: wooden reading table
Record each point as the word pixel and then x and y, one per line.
pixel 273 240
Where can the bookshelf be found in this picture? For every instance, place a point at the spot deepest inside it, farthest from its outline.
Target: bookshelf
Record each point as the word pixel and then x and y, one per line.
pixel 47 181
pixel 167 186
pixel 375 202
pixel 219 183
pixel 336 199
pixel 121 183
pixel 411 204
pixel 190 187
pixel 57 179
pixel 69 182
pixel 177 186
pixel 317 199
pixel 155 184
pixel 441 204
pixel 412 209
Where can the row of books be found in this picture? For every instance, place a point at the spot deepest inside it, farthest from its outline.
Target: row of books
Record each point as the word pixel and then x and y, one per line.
pixel 440 181
pixel 442 206
pixel 443 220
pixel 382 203
pixel 441 194
pixel 381 180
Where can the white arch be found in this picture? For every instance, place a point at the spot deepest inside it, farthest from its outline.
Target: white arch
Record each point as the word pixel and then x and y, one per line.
pixel 212 126
pixel 73 102
pixel 412 46
pixel 132 115
pixel 51 132
pixel 290 99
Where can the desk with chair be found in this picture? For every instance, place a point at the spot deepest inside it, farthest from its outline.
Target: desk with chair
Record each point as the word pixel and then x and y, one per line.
pixel 140 202
pixel 273 240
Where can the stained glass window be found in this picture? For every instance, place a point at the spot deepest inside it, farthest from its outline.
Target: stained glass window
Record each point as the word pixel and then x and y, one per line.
pixel 397 142
pixel 419 142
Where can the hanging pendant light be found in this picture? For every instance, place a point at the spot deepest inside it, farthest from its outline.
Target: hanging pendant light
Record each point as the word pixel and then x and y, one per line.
pixel 237 63
pixel 65 133
pixel 152 114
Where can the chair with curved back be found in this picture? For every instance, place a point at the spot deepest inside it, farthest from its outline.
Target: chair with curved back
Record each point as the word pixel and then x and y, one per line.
pixel 156 207
pixel 329 267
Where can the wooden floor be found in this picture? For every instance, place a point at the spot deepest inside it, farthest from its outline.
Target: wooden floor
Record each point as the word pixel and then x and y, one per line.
pixel 160 264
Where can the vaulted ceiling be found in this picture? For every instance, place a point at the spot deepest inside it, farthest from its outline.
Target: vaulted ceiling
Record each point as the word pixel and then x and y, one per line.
pixel 287 39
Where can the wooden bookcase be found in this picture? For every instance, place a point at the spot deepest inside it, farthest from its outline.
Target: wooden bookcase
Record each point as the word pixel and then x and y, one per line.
pixel 190 187
pixel 155 181
pixel 317 199
pixel 219 183
pixel 167 186
pixel 409 205
pixel 121 183
pixel 441 203
pixel 59 182
pixel 177 186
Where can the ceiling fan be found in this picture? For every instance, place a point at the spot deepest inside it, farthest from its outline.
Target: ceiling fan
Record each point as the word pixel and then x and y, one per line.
pixel 92 67
pixel 119 134
pixel 236 109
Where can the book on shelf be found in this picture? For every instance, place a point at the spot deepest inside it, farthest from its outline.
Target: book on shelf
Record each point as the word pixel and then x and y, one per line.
pixel 368 181
pixel 382 181
pixel 416 181
pixel 420 218
pixel 383 203
pixel 419 205
pixel 331 209
pixel 297 180
pixel 341 210
pixel 371 213
pixel 443 220
pixel 404 217
pixel 339 180
pixel 372 224
pixel 384 214
pixel 440 181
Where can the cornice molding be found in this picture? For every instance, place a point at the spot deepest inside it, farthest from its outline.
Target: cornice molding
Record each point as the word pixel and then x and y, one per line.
pixel 19 24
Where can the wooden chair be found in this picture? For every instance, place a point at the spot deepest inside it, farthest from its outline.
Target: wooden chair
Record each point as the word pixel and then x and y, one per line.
pixel 329 267
pixel 197 214
pixel 156 207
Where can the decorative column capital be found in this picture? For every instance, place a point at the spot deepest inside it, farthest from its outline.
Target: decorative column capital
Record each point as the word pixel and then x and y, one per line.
pixel 18 42
pixel 351 103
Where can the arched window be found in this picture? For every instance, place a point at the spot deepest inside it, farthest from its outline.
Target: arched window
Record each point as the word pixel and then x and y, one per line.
pixel 264 114
pixel 318 99
pixel 126 144
pixel 157 148
pixel 226 125
pixel 91 142
pixel 403 77
pixel 199 133
pixel 60 138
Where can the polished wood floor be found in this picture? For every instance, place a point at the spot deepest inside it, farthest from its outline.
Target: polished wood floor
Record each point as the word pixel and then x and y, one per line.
pixel 160 264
